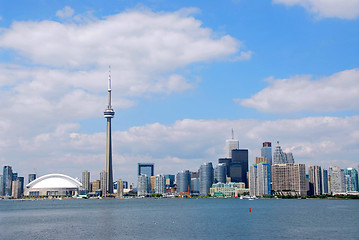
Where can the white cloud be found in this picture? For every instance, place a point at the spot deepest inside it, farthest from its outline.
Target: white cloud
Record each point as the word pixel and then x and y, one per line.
pixel 186 144
pixel 347 9
pixel 147 52
pixel 66 12
pixel 142 40
pixel 338 92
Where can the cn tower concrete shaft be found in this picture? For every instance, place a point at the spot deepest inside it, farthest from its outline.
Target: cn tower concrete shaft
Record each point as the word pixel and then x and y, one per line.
pixel 108 114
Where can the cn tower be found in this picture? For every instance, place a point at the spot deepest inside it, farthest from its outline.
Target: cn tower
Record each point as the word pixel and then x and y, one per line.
pixel 108 114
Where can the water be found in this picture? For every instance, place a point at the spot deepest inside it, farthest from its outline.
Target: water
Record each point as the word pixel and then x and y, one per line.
pixel 179 219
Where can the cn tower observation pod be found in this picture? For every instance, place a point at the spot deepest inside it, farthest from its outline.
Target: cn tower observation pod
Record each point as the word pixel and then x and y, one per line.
pixel 53 185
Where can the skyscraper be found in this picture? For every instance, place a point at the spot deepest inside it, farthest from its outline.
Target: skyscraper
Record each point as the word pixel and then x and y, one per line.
pixel 1 186
pixel 146 168
pixel 205 178
pixel 221 173
pixel 325 181
pixel 170 179
pixel 16 189
pixel 337 183
pixel 109 114
pixel 259 179
pixel 289 157
pixel 351 179
pixel 142 185
pixel 279 157
pixel 183 180
pixel 231 144
pixel 315 180
pixel 31 177
pixel 86 181
pixel 266 152
pixel 238 168
pixel 160 184
pixel 289 179
pixel 120 188
pixel 103 182
pixel 7 179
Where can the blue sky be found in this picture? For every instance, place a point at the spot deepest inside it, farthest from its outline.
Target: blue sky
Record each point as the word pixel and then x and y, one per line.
pixel 184 73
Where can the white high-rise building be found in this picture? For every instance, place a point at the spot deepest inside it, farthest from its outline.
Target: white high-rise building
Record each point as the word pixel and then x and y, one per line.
pixel 337 183
pixel 259 179
pixel 142 185
pixel 231 144
pixel 160 184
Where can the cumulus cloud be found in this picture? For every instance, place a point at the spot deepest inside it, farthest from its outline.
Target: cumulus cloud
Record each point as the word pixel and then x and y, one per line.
pixel 338 92
pixel 348 9
pixel 153 41
pixel 60 73
pixel 187 143
pixel 66 12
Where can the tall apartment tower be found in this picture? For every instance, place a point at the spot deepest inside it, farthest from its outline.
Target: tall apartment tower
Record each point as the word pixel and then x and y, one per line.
pixel 7 180
pixel 231 144
pixel 108 114
pixel 120 188
pixel 142 185
pixel 289 179
pixel 160 184
pixel 259 179
pixel 325 181
pixel 205 178
pixel 336 179
pixel 221 173
pixel 103 182
pixel 183 180
pixel 266 152
pixel 16 189
pixel 1 185
pixel 315 180
pixel 86 184
pixel 351 180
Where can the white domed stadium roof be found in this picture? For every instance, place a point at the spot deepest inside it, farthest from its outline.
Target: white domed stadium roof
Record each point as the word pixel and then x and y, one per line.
pixel 54 181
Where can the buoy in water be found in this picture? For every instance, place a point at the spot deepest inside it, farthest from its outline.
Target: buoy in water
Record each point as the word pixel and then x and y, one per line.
pixel 250 209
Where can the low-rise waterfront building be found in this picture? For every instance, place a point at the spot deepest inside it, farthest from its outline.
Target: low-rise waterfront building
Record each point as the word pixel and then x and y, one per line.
pixel 53 185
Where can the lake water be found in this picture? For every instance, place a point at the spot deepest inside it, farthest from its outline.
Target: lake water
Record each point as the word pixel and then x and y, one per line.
pixel 179 219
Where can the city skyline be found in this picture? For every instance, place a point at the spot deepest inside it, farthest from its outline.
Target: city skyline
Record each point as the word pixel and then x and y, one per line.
pixel 186 74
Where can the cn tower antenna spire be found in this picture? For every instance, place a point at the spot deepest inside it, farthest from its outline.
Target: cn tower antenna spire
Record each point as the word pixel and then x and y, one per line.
pixel 107 186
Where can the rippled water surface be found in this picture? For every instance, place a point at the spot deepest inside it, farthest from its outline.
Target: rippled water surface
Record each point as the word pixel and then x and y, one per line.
pixel 179 219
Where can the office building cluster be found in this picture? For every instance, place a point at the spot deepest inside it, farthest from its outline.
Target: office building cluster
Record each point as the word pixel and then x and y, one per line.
pixel 233 176
pixel 284 177
pixel 12 185
pixel 229 178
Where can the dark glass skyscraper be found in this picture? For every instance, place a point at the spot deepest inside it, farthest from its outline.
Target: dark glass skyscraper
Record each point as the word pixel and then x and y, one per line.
pixel 7 179
pixel 31 177
pixel 146 168
pixel 239 166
